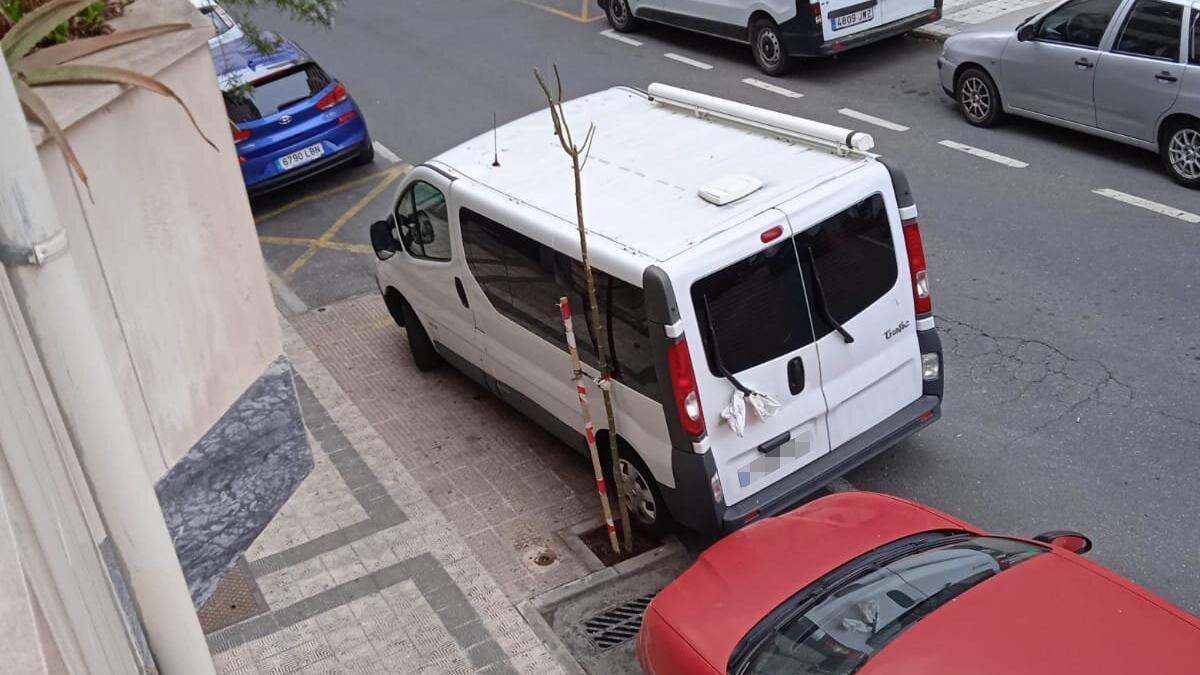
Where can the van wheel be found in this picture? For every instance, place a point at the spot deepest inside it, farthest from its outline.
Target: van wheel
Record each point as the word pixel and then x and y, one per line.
pixel 1180 150
pixel 643 498
pixel 395 305
pixel 424 353
pixel 978 98
pixel 770 54
pixel 620 17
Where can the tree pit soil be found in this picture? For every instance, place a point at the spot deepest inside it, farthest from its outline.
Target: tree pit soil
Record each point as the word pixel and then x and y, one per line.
pixel 597 541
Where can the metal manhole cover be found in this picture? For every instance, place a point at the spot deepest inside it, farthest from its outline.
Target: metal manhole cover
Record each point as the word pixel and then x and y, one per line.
pixel 617 625
pixel 235 599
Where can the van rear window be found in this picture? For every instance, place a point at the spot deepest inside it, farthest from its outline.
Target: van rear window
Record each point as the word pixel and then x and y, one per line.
pixel 268 96
pixel 758 310
pixel 760 305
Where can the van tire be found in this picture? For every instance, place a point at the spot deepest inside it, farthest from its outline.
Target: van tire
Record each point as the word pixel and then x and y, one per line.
pixel 424 354
pixel 620 17
pixel 1181 135
pixel 768 47
pixel 635 471
pixel 978 98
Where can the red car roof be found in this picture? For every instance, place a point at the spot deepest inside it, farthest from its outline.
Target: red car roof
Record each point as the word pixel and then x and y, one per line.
pixel 741 578
pixel 1056 613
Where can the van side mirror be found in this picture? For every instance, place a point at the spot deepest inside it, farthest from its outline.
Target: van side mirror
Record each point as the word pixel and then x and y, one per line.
pixel 1066 539
pixel 1026 32
pixel 382 240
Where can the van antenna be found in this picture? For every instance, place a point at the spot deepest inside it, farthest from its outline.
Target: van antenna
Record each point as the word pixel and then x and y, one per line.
pixel 495 142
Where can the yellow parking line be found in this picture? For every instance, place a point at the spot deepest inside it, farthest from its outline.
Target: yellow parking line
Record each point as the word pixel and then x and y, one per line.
pixel 301 241
pixel 390 176
pixel 321 195
pixel 580 18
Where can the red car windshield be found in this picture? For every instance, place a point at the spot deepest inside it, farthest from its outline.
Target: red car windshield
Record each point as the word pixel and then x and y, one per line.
pixel 836 632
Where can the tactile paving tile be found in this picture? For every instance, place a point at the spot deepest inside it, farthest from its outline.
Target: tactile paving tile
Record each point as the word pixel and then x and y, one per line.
pixel 235 599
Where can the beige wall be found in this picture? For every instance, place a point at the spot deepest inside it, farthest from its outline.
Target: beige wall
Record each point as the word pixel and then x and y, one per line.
pixel 168 245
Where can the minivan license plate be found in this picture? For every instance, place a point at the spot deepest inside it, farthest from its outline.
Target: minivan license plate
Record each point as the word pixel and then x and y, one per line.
pixel 304 156
pixel 861 16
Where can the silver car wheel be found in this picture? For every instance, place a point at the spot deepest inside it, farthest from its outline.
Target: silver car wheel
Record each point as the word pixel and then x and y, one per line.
pixel 975 98
pixel 639 497
pixel 620 13
pixel 1183 152
pixel 769 48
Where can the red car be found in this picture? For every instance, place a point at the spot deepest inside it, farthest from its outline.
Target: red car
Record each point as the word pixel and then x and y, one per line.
pixel 870 584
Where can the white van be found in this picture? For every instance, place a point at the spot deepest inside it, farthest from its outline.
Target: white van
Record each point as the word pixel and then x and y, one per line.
pixel 779 29
pixel 732 247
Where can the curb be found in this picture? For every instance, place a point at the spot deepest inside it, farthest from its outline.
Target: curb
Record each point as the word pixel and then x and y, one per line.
pixel 531 609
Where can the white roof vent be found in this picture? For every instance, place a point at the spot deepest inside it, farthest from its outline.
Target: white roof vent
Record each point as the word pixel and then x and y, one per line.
pixel 728 188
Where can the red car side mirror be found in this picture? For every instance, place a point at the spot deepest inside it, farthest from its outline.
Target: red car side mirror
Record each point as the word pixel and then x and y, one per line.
pixel 1066 539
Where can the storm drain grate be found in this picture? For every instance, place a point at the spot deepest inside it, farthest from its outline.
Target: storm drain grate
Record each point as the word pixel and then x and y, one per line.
pixel 617 625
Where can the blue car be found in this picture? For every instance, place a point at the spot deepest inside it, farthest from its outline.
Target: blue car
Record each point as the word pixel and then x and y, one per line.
pixel 290 119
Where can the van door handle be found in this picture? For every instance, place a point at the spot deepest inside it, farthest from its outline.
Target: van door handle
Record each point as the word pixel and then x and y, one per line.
pixel 775 442
pixel 1083 63
pixel 462 292
pixel 1166 76
pixel 795 373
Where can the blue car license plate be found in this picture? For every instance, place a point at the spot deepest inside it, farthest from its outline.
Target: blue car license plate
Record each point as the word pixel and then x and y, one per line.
pixel 302 156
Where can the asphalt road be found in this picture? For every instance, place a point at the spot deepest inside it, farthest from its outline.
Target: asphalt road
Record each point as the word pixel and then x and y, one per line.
pixel 1071 320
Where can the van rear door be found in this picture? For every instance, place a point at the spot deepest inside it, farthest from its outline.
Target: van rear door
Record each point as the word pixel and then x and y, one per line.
pixel 754 327
pixel 851 249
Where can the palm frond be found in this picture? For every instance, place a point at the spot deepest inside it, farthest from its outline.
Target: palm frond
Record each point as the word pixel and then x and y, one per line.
pixel 69 51
pixel 39 23
pixel 36 109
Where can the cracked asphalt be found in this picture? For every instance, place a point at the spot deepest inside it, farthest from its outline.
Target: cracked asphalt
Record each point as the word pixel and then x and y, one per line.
pixel 1071 322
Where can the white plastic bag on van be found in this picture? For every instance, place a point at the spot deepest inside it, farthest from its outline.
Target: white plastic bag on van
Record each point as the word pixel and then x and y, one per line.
pixel 763 405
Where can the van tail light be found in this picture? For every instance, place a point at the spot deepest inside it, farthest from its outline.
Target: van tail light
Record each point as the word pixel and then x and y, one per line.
pixel 239 135
pixel 816 9
pixel 333 98
pixel 916 266
pixel 683 384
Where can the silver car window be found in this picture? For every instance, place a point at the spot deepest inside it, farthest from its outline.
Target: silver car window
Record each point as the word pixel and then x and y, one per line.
pixel 1079 22
pixel 1152 29
pixel 1195 36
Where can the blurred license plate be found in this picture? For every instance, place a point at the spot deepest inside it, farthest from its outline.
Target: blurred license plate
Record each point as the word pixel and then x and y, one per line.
pixel 861 16
pixel 295 159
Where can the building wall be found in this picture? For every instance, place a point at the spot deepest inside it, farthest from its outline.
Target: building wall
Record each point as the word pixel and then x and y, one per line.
pixel 167 242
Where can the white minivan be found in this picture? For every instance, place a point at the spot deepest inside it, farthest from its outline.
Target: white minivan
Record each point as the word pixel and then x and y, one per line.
pixel 777 30
pixel 734 249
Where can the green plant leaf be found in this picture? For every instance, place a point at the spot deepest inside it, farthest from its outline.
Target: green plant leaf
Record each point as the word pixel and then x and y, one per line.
pixel 36 108
pixel 59 54
pixel 93 74
pixel 26 33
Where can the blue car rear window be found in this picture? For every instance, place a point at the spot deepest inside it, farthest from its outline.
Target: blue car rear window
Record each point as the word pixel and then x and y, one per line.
pixel 269 95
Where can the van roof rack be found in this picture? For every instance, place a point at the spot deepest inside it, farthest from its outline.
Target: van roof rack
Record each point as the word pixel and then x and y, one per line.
pixel 838 140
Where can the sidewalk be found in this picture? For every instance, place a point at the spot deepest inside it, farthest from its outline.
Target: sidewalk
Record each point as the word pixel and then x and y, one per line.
pixel 431 513
pixel 964 15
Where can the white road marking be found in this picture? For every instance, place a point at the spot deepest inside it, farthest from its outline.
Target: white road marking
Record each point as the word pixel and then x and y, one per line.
pixel 871 119
pixel 985 154
pixel 383 151
pixel 691 62
pixel 773 88
pixel 1163 209
pixel 614 35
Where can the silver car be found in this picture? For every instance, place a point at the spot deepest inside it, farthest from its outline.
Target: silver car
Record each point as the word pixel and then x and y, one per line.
pixel 1127 70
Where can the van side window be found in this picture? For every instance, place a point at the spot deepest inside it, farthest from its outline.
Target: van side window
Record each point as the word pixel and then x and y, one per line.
pixel 758 310
pixel 424 222
pixel 524 279
pixel 855 258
